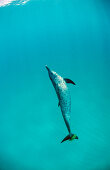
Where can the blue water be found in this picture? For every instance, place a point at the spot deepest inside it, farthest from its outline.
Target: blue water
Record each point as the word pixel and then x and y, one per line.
pixel 72 38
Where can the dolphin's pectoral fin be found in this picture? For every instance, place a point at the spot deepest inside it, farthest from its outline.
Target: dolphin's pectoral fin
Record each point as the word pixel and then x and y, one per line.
pixel 58 104
pixel 69 81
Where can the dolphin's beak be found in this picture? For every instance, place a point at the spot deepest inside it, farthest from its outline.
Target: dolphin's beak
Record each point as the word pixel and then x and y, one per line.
pixel 47 68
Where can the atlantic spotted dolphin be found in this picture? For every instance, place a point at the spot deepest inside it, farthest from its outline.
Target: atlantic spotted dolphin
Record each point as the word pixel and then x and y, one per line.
pixel 60 85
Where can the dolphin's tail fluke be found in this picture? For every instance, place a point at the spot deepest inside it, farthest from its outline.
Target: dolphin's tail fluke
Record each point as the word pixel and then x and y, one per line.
pixel 70 137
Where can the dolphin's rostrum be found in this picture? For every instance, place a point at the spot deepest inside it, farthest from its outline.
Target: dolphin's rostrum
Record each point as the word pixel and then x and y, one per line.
pixel 60 85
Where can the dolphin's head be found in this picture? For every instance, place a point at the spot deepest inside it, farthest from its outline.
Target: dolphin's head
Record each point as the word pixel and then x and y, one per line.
pixel 51 73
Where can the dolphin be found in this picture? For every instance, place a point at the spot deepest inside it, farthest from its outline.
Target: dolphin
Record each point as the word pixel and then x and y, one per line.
pixel 60 85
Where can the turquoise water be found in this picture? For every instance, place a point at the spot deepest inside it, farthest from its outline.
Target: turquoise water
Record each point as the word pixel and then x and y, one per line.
pixel 72 38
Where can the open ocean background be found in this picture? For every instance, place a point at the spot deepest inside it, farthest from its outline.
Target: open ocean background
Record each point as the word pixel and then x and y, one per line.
pixel 73 38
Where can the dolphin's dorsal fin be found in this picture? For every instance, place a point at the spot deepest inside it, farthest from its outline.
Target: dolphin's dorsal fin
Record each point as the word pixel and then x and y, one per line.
pixel 69 81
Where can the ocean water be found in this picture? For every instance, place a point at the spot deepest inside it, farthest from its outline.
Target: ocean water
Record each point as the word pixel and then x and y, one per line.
pixel 73 38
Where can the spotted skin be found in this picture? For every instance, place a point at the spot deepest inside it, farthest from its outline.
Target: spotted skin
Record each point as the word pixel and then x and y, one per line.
pixel 63 94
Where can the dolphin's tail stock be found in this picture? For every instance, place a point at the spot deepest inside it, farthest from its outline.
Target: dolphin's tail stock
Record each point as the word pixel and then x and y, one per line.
pixel 70 137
